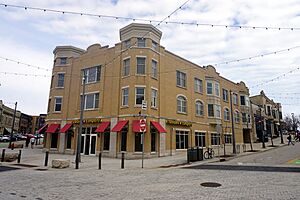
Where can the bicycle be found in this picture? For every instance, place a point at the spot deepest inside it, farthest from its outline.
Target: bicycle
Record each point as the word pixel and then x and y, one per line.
pixel 209 153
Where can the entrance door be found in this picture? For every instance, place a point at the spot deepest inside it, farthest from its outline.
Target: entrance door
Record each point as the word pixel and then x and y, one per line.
pixel 88 141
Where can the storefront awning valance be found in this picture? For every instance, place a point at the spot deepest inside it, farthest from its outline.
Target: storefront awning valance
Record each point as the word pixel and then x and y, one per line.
pixel 65 128
pixel 53 128
pixel 136 126
pixel 41 130
pixel 158 127
pixel 118 127
pixel 101 128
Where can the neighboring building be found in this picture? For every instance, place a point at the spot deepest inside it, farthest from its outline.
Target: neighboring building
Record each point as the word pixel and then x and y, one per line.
pixel 25 123
pixel 38 122
pixel 187 105
pixel 6 119
pixel 268 116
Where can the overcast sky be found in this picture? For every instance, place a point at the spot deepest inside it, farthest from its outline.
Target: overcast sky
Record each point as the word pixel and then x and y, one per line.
pixel 30 37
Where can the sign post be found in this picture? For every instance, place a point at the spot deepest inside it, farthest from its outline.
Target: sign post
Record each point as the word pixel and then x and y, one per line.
pixel 143 130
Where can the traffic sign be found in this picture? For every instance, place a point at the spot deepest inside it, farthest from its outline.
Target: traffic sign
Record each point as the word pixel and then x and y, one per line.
pixel 142 125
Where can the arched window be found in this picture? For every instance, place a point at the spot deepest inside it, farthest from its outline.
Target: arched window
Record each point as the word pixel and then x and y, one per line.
pixel 236 116
pixel 199 108
pixel 181 104
pixel 226 114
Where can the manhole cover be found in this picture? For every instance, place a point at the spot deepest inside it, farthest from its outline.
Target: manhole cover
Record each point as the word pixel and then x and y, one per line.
pixel 210 184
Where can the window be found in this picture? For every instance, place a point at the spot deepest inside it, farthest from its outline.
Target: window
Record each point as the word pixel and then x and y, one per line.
pixel 91 101
pixel 153 141
pixel 199 108
pixel 106 140
pixel 198 85
pixel 92 74
pixel 217 89
pixel 49 104
pixel 58 104
pixel 243 102
pixel 181 79
pixel 138 147
pixel 269 110
pixel 60 80
pixel 69 139
pixel 235 98
pixel 63 60
pixel 154 69
pixel 218 111
pixel 127 44
pixel 126 67
pixel 52 79
pixel 210 108
pixel 200 139
pixel 141 66
pixel 153 98
pixel 154 45
pixel 247 101
pixel 123 140
pixel 139 95
pixel 141 42
pixel 215 139
pixel 236 116
pixel 225 95
pixel 125 92
pixel 244 117
pixel 228 138
pixel 182 139
pixel 226 114
pixel 209 88
pixel 181 104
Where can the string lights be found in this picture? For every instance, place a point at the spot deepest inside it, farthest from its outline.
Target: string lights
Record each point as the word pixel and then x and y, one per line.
pixel 150 20
pixel 22 63
pixel 23 74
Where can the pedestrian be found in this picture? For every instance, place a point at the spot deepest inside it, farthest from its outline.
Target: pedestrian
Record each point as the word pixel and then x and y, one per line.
pixel 289 138
pixel 32 141
pixel 27 141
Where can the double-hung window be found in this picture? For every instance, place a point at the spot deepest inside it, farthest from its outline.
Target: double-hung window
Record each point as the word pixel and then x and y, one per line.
pixel 141 66
pixel 199 108
pixel 181 104
pixel 154 45
pixel 63 60
pixel 198 85
pixel 141 42
pixel 225 94
pixel 243 100
pixel 218 111
pixel 215 139
pixel 235 98
pixel 139 95
pixel 210 109
pixel 200 139
pixel 126 67
pixel 217 89
pixel 154 69
pixel 91 101
pixel 226 114
pixel 209 88
pixel 125 93
pixel 92 74
pixel 153 98
pixel 180 79
pixel 58 104
pixel 237 116
pixel 61 80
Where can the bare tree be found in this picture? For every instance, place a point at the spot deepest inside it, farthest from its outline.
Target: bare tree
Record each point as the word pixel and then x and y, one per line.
pixel 292 122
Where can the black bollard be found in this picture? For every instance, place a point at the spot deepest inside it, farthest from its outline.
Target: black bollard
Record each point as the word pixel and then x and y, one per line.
pixel 46 158
pixel 19 156
pixel 122 160
pixel 99 160
pixel 3 154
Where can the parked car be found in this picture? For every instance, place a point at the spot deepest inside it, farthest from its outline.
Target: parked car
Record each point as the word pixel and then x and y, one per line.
pixel 4 138
pixel 20 137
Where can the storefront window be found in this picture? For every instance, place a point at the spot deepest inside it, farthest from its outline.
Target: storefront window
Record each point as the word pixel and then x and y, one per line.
pixel 123 140
pixel 106 140
pixel 54 138
pixel 69 139
pixel 153 140
pixel 215 139
pixel 182 139
pixel 200 139
pixel 138 147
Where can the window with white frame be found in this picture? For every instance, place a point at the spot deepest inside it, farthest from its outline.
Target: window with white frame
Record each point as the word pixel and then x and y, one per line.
pixel 200 139
pixel 181 104
pixel 235 98
pixel 244 117
pixel 243 100
pixel 209 87
pixel 182 139
pixel 140 65
pixel 154 45
pixel 125 96
pixel 154 69
pixel 247 101
pixel 225 94
pixel 91 101
pixel 199 108
pixel 180 79
pixel 236 116
pixel 218 111
pixel 63 60
pixel 226 114
pixel 141 42
pixel 198 85
pixel 58 104
pixel 154 98
pixel 127 44
pixel 92 74
pixel 215 139
pixel 60 80
pixel 210 110
pixel 227 138
pixel 139 95
pixel 126 67
pixel 217 89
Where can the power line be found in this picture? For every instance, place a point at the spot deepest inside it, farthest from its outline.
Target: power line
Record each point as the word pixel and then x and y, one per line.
pixel 192 23
pixel 257 56
pixel 24 74
pixel 22 63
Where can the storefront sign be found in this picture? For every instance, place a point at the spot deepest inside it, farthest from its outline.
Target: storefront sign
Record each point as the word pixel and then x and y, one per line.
pixel 181 123
pixel 87 121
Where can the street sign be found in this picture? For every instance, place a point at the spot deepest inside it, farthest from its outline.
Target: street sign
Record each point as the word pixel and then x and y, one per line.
pixel 142 125
pixel 144 105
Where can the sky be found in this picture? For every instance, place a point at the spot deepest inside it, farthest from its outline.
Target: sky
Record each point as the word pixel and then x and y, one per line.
pixel 30 36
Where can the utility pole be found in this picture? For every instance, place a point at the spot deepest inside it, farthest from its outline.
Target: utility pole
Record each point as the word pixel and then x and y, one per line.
pixel 13 125
pixel 78 158
pixel 232 125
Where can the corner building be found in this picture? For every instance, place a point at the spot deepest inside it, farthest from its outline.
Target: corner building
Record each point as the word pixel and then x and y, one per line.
pixel 187 105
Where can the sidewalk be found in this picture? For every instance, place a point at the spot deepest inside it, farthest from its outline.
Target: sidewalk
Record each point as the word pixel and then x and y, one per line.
pixel 37 158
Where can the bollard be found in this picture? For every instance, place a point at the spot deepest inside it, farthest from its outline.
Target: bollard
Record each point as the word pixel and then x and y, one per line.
pixel 46 158
pixel 19 156
pixel 122 160
pixel 3 154
pixel 99 161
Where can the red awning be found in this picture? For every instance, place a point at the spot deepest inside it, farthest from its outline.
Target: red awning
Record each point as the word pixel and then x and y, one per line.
pixel 65 128
pixel 136 126
pixel 101 128
pixel 118 127
pixel 158 127
pixel 52 128
pixel 42 129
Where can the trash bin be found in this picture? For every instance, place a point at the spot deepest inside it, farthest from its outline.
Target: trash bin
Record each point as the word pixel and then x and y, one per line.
pixel 199 153
pixel 192 155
